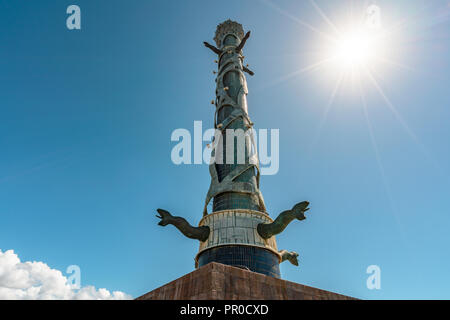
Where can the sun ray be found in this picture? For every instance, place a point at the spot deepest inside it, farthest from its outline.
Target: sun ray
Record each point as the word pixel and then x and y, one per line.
pixel 350 17
pixel 296 73
pixel 297 20
pixel 384 178
pixel 325 112
pixel 405 22
pixel 396 64
pixel 400 118
pixel 324 16
pixel 355 50
pixel 391 106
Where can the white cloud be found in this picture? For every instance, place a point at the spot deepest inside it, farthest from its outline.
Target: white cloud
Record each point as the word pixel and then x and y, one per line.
pixel 36 280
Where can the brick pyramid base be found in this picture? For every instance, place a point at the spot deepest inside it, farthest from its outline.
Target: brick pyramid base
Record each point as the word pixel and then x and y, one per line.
pixel 216 281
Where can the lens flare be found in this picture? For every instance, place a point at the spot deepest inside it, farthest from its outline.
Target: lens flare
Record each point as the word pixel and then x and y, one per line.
pixel 354 49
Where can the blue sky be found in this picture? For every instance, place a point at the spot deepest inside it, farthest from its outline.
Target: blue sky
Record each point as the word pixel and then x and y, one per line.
pixel 86 119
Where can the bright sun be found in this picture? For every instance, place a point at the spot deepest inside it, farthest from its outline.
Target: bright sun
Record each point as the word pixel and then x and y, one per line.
pixel 356 48
pixel 359 46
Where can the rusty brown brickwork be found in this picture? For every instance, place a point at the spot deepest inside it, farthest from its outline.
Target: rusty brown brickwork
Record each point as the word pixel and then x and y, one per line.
pixel 216 281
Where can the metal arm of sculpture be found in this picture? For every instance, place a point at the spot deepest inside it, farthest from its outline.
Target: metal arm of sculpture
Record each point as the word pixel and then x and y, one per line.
pixel 198 233
pixel 267 230
pixel 292 256
pixel 242 44
pixel 250 72
pixel 213 48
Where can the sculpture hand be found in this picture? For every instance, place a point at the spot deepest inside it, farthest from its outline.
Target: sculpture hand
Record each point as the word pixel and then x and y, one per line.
pixel 242 44
pixel 299 210
pixel 199 233
pixel 293 258
pixel 213 48
pixel 164 216
pixel 250 72
pixel 266 230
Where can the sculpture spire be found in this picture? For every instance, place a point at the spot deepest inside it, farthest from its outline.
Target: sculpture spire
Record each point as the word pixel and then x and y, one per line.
pixel 238 231
pixel 234 185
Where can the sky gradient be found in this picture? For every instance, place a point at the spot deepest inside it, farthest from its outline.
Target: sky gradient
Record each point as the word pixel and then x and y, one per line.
pixel 87 115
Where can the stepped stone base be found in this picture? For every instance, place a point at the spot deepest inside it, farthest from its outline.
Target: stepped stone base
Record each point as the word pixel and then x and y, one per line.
pixel 216 281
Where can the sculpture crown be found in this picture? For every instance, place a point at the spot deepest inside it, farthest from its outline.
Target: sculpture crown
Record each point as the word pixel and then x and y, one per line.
pixel 228 27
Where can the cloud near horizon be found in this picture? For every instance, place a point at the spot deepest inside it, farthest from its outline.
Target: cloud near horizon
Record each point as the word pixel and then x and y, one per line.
pixel 37 281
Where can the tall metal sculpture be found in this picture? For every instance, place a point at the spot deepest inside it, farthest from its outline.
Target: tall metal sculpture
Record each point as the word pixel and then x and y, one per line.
pixel 238 232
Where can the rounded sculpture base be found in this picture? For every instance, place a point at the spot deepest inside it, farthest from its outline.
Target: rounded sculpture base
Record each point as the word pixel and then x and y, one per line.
pixel 247 257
